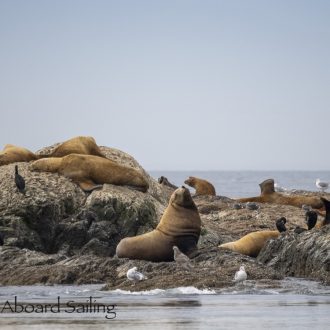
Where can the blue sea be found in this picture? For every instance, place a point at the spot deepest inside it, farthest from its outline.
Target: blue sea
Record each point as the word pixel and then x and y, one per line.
pixel 246 183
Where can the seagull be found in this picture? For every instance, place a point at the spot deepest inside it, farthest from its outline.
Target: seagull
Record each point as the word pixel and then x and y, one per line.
pixel 252 206
pixel 240 276
pixel 306 207
pixel 237 206
pixel 322 185
pixel 135 276
pixel 181 259
pixel 278 188
pixel 19 180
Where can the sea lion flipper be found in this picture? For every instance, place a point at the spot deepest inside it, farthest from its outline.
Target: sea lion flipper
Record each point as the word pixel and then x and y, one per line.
pixel 89 185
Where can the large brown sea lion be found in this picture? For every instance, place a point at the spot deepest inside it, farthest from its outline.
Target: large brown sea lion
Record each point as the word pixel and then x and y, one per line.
pixel 252 243
pixel 202 187
pixel 268 195
pixel 84 145
pixel 179 226
pixel 91 171
pixel 12 154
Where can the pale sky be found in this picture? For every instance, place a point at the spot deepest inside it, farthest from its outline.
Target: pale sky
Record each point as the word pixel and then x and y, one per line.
pixel 178 84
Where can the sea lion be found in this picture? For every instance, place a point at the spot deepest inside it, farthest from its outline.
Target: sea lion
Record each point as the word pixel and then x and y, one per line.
pixel 89 172
pixel 179 226
pixel 12 154
pixel 164 181
pixel 202 187
pixel 84 145
pixel 268 195
pixel 252 243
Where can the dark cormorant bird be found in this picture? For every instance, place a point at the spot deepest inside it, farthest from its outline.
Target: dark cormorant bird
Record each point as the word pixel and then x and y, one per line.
pixel 326 203
pixel 280 224
pixel 311 219
pixel 19 180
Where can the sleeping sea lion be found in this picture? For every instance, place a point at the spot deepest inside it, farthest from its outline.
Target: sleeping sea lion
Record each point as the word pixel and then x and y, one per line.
pixel 12 154
pixel 89 172
pixel 179 226
pixel 202 187
pixel 252 243
pixel 268 195
pixel 84 145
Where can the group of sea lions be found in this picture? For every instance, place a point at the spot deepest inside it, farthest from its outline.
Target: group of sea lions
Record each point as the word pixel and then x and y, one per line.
pixel 81 160
pixel 180 224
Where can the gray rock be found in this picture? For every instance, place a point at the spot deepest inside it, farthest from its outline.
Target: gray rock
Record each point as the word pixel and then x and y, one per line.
pixel 56 216
pixel 300 255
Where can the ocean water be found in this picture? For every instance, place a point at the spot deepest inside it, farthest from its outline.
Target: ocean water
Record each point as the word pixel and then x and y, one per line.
pixel 246 183
pixel 291 303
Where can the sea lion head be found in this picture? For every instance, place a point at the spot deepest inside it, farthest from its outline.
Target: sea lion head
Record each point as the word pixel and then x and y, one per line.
pixel 46 164
pixel 182 197
pixel 190 181
pixel 267 187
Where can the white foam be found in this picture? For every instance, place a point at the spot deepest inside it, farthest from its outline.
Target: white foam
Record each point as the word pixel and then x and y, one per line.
pixel 191 290
pixel 185 290
pixel 146 293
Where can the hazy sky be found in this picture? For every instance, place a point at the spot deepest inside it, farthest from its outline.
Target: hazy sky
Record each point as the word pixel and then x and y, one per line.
pixel 222 85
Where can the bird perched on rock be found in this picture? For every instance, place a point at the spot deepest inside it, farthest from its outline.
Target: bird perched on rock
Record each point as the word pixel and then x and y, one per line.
pixel 326 220
pixel 278 188
pixel 240 276
pixel 311 219
pixel 322 185
pixel 306 207
pixel 19 180
pixel 135 276
pixel 181 259
pixel 252 206
pixel 237 206
pixel 280 224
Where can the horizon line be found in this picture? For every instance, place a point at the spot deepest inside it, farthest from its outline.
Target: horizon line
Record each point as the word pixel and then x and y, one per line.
pixel 238 170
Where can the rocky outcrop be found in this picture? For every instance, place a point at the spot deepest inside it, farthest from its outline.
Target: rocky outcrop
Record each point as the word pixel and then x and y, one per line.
pixel 56 233
pixel 56 216
pixel 300 255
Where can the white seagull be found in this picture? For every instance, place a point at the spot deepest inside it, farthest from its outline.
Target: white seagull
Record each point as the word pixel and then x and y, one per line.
pixel 181 259
pixel 278 188
pixel 322 185
pixel 240 276
pixel 134 275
